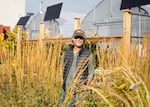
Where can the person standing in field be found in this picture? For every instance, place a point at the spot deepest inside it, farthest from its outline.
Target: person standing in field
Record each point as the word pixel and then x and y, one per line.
pixel 77 59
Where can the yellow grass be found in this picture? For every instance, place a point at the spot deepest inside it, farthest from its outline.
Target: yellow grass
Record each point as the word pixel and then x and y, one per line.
pixel 34 78
pixel 119 81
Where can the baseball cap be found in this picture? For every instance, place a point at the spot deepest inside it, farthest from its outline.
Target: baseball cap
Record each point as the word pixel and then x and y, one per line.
pixel 79 32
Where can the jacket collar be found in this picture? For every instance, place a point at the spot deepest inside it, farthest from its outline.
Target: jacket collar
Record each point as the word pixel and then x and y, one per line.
pixel 79 51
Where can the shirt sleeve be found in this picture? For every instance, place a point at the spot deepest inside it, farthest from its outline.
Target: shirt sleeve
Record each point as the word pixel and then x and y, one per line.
pixel 91 66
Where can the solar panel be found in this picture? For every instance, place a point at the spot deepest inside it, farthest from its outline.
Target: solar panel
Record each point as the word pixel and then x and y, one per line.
pixel 23 20
pixel 53 12
pixel 127 4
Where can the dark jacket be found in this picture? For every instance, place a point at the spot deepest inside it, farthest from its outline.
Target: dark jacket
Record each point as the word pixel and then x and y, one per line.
pixel 82 62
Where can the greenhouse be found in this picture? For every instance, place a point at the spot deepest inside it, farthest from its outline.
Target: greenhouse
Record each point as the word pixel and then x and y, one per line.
pixel 34 26
pixel 106 19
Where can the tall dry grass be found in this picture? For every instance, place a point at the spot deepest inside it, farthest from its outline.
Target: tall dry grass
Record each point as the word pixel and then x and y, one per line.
pixel 119 81
pixel 34 79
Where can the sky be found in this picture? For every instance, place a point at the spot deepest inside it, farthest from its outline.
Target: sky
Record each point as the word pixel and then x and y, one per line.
pixel 80 6
pixel 70 10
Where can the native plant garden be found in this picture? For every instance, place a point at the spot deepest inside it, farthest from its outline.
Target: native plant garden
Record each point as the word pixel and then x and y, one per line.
pixel 33 79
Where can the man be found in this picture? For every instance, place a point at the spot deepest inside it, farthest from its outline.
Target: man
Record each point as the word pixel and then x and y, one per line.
pixel 77 59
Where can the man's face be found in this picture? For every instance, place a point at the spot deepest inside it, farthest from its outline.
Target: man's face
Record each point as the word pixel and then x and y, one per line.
pixel 78 41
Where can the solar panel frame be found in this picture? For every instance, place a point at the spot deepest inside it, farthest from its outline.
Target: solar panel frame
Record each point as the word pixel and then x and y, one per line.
pixel 53 12
pixel 127 4
pixel 23 20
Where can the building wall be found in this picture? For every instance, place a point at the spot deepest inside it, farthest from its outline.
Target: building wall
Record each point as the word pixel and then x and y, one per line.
pixel 11 11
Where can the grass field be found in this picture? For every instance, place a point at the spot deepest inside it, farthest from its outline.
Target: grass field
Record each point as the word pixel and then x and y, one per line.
pixel 34 78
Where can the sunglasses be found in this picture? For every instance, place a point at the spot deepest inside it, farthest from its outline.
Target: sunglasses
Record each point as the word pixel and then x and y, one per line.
pixel 78 37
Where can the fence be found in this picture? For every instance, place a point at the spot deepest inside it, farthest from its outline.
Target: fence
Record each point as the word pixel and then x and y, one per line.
pixel 125 38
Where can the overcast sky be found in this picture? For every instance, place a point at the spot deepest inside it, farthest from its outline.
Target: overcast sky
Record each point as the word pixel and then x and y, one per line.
pixel 70 10
pixel 81 6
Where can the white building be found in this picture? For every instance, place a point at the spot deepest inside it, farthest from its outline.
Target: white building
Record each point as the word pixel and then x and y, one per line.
pixel 10 11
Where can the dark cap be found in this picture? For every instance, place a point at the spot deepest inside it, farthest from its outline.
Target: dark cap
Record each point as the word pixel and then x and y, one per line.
pixel 79 32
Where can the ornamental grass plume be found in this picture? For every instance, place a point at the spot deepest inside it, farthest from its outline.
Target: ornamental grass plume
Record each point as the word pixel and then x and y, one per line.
pixel 135 85
pixel 124 75
pixel 36 81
